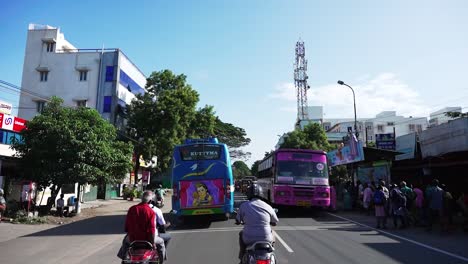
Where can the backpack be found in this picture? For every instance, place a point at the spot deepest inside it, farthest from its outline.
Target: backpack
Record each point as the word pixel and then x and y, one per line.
pixel 379 198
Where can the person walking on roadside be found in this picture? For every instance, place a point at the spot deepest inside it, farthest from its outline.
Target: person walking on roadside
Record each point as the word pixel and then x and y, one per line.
pixel 435 199
pixel 367 198
pixel 398 206
pixel 3 204
pixel 379 204
pixel 419 206
pixel 60 205
pixel 410 196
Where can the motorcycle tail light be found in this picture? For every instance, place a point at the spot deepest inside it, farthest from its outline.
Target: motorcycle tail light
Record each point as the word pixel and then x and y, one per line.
pixel 263 261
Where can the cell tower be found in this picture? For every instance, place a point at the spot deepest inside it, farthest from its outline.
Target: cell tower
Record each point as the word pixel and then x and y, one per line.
pixel 300 79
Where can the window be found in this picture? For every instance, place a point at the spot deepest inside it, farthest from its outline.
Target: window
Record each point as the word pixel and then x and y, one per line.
pixel 350 129
pixel 40 106
pixel 81 103
pixel 411 127
pixel 380 128
pixel 50 46
pixel 107 104
pixel 419 128
pixel 368 127
pixel 327 127
pixel 44 75
pixel 109 73
pixel 83 76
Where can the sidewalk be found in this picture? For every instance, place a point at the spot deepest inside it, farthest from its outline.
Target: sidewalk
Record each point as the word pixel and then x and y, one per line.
pixel 455 242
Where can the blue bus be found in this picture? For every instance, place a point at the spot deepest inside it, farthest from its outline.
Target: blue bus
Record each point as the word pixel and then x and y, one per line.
pixel 202 179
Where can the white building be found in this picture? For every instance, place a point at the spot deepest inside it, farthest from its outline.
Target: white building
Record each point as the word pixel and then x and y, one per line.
pixel 103 79
pixel 383 123
pixel 439 117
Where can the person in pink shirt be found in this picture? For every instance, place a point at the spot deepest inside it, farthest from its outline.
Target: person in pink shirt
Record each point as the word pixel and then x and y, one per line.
pixel 419 205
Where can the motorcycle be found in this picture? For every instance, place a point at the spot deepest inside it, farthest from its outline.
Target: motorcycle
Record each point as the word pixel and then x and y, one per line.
pixel 260 252
pixel 142 252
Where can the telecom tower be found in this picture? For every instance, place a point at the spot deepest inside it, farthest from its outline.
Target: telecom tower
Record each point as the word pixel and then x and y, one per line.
pixel 300 80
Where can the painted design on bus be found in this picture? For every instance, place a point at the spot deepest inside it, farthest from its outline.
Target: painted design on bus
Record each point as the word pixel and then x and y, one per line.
pixel 204 193
pixel 201 173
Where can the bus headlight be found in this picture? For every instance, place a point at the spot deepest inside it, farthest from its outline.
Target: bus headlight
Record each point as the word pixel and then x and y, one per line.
pixel 325 195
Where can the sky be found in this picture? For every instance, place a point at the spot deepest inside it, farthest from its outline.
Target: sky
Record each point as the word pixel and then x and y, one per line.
pixel 406 56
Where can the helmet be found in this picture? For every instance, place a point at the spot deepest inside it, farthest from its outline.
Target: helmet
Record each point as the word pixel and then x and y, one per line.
pixel 254 191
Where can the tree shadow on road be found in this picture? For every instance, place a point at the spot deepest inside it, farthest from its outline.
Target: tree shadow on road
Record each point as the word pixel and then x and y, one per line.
pixel 99 225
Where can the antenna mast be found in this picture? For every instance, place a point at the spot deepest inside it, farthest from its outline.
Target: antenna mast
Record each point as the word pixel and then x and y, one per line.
pixel 300 80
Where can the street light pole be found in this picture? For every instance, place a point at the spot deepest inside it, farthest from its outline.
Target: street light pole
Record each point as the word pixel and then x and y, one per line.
pixel 354 100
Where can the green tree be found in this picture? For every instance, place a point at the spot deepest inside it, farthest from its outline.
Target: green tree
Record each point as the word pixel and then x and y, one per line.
pixel 254 168
pixel 234 137
pixel 456 114
pixel 66 145
pixel 166 115
pixel 240 169
pixel 311 137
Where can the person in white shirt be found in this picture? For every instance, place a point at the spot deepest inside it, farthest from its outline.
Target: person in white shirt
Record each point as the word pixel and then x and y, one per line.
pixel 161 224
pixel 60 205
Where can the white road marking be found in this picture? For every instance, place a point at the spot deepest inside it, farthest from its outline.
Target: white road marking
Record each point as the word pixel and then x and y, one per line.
pixel 405 239
pixel 282 242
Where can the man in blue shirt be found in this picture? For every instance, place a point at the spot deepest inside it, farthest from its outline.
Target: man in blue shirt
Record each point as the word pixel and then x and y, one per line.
pixel 435 199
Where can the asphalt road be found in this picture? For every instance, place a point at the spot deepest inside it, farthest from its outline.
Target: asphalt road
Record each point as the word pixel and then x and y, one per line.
pixel 302 237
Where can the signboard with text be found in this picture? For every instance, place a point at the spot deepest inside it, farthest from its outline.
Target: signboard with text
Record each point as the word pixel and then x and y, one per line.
pixel 12 123
pixel 385 141
pixel 5 108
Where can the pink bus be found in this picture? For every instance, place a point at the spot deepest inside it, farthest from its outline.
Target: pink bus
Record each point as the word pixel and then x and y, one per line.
pixel 295 177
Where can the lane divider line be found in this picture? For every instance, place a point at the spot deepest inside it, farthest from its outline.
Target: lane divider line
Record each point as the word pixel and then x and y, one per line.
pixel 405 239
pixel 282 242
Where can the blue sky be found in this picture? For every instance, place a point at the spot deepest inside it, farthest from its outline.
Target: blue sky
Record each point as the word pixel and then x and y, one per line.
pixel 408 56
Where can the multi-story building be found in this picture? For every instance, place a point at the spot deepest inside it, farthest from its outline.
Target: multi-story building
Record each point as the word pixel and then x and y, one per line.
pixel 103 79
pixel 439 117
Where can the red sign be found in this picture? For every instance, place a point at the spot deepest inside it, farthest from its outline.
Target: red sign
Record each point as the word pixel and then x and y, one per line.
pixel 19 124
pixel 12 123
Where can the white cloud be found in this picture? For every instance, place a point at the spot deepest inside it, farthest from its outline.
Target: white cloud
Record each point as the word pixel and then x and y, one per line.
pixel 384 92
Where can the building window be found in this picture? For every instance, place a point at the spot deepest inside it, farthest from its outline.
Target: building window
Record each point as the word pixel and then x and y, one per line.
pixel 411 127
pixel 390 124
pixel 419 128
pixel 109 73
pixel 368 127
pixel 107 104
pixel 40 106
pixel 350 129
pixel 81 103
pixel 83 76
pixel 327 127
pixel 44 75
pixel 380 128
pixel 50 46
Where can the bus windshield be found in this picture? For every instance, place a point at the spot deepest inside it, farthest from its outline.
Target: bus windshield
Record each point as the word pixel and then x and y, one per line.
pixel 300 172
pixel 200 152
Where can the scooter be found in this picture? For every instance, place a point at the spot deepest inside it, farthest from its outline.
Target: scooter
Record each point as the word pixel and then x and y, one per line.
pixel 260 252
pixel 142 252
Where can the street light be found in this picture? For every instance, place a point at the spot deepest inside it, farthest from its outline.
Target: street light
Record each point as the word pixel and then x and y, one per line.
pixel 354 100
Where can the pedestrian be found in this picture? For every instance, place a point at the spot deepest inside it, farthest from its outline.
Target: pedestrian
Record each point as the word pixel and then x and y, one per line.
pixel 367 198
pixel 3 204
pixel 419 206
pixel 410 197
pixel 435 199
pixel 332 196
pixel 379 204
pixel 387 196
pixel 60 205
pixel 447 209
pixel 398 207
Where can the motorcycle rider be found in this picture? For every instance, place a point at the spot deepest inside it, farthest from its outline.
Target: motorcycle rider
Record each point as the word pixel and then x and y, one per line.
pixel 257 217
pixel 140 224
pixel 161 224
pixel 160 193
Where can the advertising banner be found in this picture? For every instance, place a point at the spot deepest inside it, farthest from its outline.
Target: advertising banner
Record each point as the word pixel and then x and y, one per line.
pixel 203 193
pixel 406 144
pixel 378 171
pixel 346 154
pixel 5 108
pixel 12 123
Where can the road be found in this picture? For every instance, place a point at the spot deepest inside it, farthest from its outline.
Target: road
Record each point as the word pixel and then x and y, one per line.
pixel 302 237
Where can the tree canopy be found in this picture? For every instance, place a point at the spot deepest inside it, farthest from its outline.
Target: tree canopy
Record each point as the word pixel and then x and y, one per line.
pixel 240 169
pixel 66 145
pixel 167 114
pixel 311 137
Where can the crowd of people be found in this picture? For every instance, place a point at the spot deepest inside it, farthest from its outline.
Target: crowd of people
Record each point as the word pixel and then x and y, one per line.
pixel 406 205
